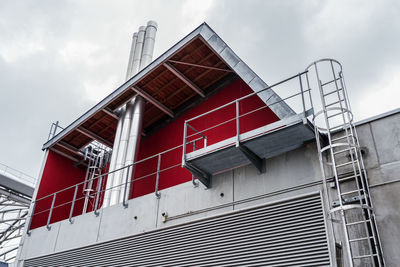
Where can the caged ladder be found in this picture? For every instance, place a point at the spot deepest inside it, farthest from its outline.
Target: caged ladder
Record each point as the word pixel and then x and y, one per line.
pixel 350 208
pixel 97 159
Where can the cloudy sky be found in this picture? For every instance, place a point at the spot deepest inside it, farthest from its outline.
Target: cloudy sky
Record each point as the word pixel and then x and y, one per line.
pixel 58 58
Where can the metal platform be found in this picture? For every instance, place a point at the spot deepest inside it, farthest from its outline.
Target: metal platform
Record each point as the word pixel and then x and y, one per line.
pixel 250 147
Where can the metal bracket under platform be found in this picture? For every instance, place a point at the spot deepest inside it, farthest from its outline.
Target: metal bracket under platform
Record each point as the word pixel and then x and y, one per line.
pixel 252 147
pixel 258 162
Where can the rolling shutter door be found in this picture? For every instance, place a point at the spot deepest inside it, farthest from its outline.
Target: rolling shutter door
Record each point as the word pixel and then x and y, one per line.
pixel 288 233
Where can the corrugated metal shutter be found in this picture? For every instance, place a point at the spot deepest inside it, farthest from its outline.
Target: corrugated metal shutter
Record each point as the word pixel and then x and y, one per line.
pixel 289 233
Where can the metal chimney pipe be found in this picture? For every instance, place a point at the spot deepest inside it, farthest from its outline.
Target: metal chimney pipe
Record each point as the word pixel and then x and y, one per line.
pixel 148 45
pixel 110 177
pixel 120 154
pixel 135 133
pixel 131 54
pixel 138 50
pixel 129 129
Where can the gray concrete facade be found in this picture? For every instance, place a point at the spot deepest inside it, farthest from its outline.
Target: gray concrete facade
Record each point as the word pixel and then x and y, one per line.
pixel 290 174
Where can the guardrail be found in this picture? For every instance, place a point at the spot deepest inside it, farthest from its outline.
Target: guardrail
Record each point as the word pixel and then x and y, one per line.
pixel 99 182
pixel 301 105
pixel 191 142
pixel 18 175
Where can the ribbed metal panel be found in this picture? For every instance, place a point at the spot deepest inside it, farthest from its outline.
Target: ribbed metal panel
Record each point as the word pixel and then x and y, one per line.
pixel 289 233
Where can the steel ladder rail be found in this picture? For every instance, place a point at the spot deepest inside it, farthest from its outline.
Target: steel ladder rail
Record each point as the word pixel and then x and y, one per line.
pixel 93 170
pixel 356 162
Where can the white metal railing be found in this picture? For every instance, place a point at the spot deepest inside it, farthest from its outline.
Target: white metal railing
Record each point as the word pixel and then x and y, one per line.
pixel 18 175
pixel 302 105
pixel 197 140
pixel 100 187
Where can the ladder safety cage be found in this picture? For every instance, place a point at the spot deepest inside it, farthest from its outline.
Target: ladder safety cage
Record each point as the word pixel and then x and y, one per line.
pixel 341 158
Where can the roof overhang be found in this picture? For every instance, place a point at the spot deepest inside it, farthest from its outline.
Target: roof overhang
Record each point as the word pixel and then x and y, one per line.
pixel 188 72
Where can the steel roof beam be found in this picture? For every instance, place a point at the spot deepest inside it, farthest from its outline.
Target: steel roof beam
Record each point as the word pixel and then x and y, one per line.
pixel 183 78
pixel 153 101
pixel 92 135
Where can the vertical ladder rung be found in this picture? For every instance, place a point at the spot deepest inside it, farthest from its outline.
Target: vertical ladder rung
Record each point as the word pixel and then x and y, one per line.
pixel 350 192
pixel 360 239
pixel 344 126
pixel 345 164
pixel 348 177
pixel 364 256
pixel 342 137
pixel 334 103
pixel 334 80
pixel 332 92
pixel 343 150
pixel 359 222
pixel 334 115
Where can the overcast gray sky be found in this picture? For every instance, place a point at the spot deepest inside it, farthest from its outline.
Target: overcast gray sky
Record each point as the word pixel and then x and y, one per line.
pixel 59 58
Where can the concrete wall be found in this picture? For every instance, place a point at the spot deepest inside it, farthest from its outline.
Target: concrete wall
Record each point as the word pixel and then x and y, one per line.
pixel 290 174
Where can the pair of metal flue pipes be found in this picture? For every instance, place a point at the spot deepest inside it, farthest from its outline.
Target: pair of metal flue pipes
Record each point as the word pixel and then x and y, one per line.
pixel 129 128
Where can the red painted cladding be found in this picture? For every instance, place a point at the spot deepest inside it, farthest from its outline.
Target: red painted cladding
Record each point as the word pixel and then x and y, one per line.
pixel 60 173
pixel 172 135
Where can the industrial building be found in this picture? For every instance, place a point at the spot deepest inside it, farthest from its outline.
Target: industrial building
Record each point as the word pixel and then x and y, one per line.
pixel 196 161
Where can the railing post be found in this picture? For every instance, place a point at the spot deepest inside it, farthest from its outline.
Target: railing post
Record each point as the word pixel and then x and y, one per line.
pixel 302 94
pixel 309 91
pixel 237 124
pixel 158 195
pixel 96 203
pixel 28 231
pixel 55 128
pixel 51 211
pixel 124 202
pixel 73 204
pixel 184 144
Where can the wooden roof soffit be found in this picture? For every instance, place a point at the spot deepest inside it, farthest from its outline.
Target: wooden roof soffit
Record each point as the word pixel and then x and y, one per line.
pixel 154 101
pixel 70 148
pixel 182 77
pixel 92 135
pixel 199 66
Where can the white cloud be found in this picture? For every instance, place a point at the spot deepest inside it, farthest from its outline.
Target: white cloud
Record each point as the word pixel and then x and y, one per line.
pixel 381 96
pixel 58 58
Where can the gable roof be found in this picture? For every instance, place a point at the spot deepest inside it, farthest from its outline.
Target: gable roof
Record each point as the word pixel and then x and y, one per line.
pixel 187 73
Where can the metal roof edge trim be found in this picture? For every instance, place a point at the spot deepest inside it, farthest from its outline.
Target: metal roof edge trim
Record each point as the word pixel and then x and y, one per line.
pixel 123 87
pixel 216 43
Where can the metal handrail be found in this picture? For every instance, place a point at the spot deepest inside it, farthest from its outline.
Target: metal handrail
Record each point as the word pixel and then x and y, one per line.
pixel 18 174
pixel 238 115
pixel 245 114
pixel 128 181
pixel 249 95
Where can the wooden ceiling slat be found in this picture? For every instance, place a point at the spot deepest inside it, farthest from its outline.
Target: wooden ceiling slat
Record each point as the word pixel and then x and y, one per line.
pixel 167 87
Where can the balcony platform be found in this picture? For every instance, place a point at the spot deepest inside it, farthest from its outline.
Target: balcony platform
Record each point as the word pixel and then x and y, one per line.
pixel 254 147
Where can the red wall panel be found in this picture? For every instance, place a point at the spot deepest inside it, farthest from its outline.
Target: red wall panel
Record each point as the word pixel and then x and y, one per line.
pixel 172 135
pixel 59 173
